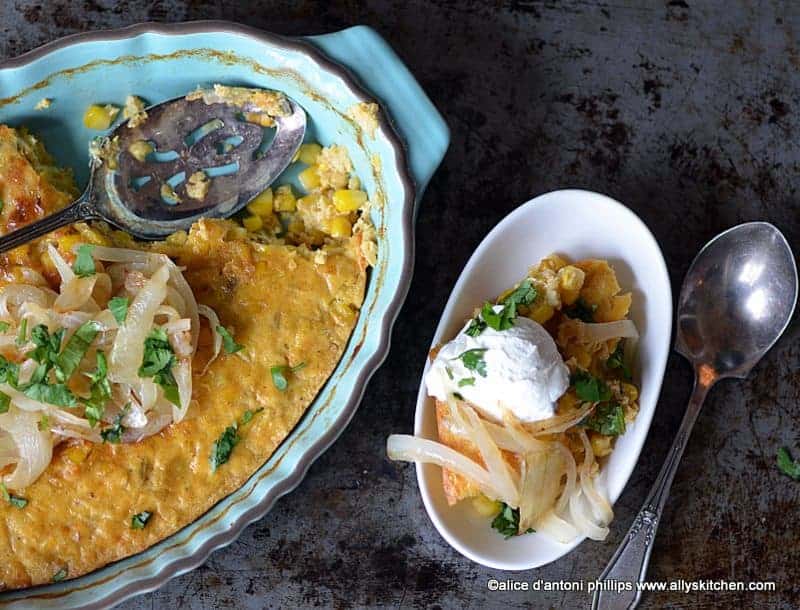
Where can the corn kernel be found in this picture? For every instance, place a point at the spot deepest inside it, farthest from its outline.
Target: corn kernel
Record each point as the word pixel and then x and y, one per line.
pixel 259 118
pixel 308 153
pixel 284 199
pixel 140 149
pixel 570 282
pixel 78 453
pixel 485 507
pixel 340 227
pixel 601 445
pixel 348 201
pixel 261 205
pixel 100 117
pixel 541 311
pixel 630 391
pixel 554 262
pixel 582 357
pixel 253 223
pixel 309 178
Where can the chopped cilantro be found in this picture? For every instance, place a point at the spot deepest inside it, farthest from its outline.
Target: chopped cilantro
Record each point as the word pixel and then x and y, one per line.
pixel 590 388
pixel 507 522
pixel 61 574
pixel 84 262
pixel 4 326
pixel 52 393
pixel 787 465
pixel 8 371
pixel 608 419
pixel 617 360
pixel 279 373
pixel 228 342
pixel 248 415
pixel 449 372
pixel 501 316
pixel 476 326
pixel 466 381
pixel 223 447
pixel 5 402
pixel 473 360
pixel 524 294
pixel 44 423
pixel 22 333
pixel 47 347
pixel 12 499
pixel 581 310
pixel 113 434
pixel 139 520
pixel 502 319
pixel 68 360
pixel 157 363
pixel 119 308
pixel 100 391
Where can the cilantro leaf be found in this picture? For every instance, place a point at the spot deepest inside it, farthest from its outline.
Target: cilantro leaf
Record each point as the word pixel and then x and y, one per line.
pixel 4 326
pixel 68 360
pixel 524 294
pixel 590 388
pixel 8 371
pixel 5 402
pixel 608 419
pixel 502 319
pixel 113 434
pixel 581 310
pixel 223 447
pixel 47 348
pixel 231 347
pixel 84 262
pixel 466 381
pixel 473 360
pixel 157 363
pixel 248 415
pixel 501 316
pixel 11 498
pixel 52 393
pixel 44 423
pixel 119 308
pixel 507 522
pixel 787 465
pixel 476 326
pixel 279 373
pixel 139 520
pixel 617 360
pixel 61 574
pixel 100 391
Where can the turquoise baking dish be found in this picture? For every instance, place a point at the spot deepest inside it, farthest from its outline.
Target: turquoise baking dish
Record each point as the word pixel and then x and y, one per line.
pixel 326 74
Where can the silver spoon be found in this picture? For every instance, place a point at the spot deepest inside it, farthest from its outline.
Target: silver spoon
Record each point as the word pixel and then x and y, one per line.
pixel 737 299
pixel 188 136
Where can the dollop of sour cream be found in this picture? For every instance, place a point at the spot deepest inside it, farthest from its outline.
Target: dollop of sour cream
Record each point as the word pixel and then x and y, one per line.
pixel 522 371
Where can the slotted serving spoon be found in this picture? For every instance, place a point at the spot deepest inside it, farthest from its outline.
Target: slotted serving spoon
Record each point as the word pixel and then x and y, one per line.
pixel 188 136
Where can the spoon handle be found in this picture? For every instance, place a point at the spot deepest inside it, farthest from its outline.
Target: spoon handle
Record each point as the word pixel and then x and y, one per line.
pixel 82 209
pixel 628 566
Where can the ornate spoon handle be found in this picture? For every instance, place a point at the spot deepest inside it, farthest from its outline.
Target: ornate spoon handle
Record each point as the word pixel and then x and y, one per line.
pixel 82 209
pixel 629 563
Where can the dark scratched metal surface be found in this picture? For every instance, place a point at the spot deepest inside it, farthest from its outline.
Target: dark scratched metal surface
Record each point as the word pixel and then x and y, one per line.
pixel 684 110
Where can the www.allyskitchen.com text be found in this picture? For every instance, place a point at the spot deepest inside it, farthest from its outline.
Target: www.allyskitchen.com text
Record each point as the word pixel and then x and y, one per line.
pixel 620 586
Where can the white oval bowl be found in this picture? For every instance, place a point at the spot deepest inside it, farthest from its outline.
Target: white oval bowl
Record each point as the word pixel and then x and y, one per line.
pixel 578 224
